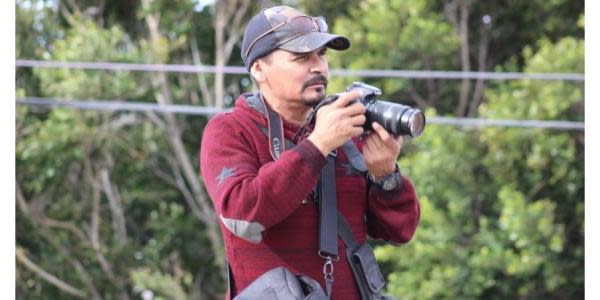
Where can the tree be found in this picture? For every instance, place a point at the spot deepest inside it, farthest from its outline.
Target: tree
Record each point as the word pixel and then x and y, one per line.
pixel 504 218
pixel 397 35
pixel 457 35
pixel 115 175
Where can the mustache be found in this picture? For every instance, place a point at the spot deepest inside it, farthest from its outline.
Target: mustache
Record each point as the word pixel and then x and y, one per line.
pixel 317 79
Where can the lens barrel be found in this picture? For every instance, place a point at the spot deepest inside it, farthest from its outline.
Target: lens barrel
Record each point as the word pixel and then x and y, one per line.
pixel 396 118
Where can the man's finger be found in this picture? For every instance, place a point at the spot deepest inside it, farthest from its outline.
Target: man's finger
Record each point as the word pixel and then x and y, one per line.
pixel 357 131
pixel 399 140
pixel 355 109
pixel 375 140
pixel 358 120
pixel 346 98
pixel 367 149
pixel 383 134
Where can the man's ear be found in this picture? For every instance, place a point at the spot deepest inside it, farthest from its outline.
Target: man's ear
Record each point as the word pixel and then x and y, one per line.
pixel 256 71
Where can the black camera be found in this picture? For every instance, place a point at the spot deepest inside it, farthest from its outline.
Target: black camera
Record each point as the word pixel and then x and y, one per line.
pixel 396 118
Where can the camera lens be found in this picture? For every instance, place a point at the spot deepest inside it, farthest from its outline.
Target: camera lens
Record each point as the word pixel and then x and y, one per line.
pixel 396 118
pixel 416 122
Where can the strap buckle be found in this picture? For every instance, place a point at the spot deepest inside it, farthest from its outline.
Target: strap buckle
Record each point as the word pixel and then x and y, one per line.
pixel 326 256
pixel 328 273
pixel 328 269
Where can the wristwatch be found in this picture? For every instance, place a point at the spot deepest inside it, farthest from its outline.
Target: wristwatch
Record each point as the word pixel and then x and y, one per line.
pixel 388 182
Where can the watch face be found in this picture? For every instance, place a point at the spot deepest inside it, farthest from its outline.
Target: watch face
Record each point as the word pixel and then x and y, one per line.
pixel 389 184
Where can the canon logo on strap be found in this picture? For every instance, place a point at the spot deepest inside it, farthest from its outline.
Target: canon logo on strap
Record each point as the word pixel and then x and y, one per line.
pixel 276 147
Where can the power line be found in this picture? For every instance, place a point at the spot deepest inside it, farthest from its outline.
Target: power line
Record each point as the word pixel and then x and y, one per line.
pixel 121 105
pixel 172 68
pixel 180 68
pixel 564 125
pixel 460 75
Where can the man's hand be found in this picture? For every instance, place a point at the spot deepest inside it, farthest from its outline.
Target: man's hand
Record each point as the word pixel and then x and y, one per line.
pixel 338 122
pixel 381 150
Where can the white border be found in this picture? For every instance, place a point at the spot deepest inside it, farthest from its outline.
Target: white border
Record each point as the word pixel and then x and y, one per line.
pixel 591 149
pixel 7 151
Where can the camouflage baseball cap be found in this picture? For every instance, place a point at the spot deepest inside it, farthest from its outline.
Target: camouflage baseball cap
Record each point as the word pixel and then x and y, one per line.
pixel 284 27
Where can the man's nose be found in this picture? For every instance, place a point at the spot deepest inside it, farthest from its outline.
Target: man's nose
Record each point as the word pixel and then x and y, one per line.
pixel 318 64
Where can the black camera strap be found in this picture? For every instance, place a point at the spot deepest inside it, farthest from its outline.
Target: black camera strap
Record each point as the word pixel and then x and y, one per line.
pixel 275 125
pixel 354 156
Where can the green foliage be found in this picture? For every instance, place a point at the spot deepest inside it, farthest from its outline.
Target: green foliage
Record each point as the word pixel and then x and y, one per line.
pixel 409 35
pixel 331 10
pixel 60 155
pixel 520 24
pixel 88 42
pixel 164 286
pixel 538 99
pixel 495 215
pixel 36 31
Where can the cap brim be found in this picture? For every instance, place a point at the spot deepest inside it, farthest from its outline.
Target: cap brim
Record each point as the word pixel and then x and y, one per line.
pixel 315 40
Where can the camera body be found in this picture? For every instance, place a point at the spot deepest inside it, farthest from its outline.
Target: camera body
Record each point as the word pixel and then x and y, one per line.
pixel 396 118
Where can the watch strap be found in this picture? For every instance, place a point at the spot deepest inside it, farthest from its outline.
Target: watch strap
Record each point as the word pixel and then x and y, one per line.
pixel 388 182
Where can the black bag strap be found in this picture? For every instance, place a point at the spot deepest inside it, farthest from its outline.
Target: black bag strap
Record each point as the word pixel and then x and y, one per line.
pixel 328 210
pixel 328 247
pixel 346 233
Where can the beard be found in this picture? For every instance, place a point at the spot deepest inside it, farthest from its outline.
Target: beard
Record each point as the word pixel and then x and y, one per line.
pixel 313 99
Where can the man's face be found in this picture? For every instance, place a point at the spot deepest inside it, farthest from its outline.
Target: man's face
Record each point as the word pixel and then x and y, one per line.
pixel 297 77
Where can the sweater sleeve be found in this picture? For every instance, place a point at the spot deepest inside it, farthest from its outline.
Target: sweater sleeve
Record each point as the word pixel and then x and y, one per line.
pixel 393 216
pixel 250 197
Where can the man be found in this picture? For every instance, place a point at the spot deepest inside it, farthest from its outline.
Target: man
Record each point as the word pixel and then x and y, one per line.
pixel 264 196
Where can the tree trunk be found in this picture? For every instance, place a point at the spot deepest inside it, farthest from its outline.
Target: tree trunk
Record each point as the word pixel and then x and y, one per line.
pixel 220 22
pixel 53 280
pixel 207 97
pixel 228 18
pixel 116 209
pixel 463 32
pixel 173 133
pixel 484 44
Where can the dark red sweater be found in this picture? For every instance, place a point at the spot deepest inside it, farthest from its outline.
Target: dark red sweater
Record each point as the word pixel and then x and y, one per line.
pixel 266 212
